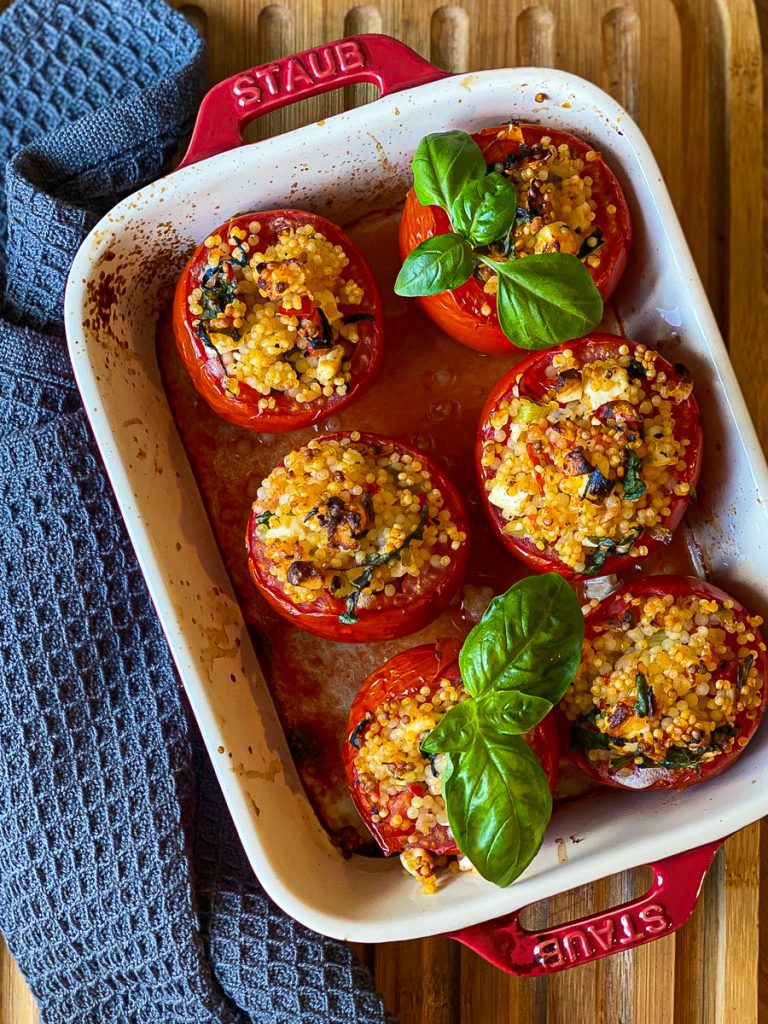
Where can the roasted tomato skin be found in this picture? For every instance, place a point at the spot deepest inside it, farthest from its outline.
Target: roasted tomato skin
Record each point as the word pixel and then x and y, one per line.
pixel 459 311
pixel 387 620
pixel 613 607
pixel 206 369
pixel 402 676
pixel 530 377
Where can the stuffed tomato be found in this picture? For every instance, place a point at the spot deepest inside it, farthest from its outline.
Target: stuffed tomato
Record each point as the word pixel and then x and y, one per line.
pixel 671 687
pixel 588 454
pixel 568 201
pixel 357 537
pixel 278 320
pixel 395 787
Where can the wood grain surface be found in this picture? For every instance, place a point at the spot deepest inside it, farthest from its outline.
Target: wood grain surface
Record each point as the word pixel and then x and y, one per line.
pixel 691 73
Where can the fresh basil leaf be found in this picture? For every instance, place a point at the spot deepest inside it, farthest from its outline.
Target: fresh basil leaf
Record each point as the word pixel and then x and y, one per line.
pixel 529 640
pixel 545 299
pixel 456 730
pixel 495 714
pixel 503 713
pixel 435 265
pixel 634 488
pixel 485 209
pixel 499 804
pixel 442 164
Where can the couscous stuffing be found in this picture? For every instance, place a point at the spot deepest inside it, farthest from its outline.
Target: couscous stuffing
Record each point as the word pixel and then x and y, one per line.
pixel 403 785
pixel 555 204
pixel 354 519
pixel 271 312
pixel 589 467
pixel 663 686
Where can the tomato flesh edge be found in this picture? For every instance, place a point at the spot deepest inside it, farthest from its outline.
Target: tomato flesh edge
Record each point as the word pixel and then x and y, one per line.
pixel 677 586
pixel 206 370
pixel 530 371
pixel 386 622
pixel 458 312
pixel 401 676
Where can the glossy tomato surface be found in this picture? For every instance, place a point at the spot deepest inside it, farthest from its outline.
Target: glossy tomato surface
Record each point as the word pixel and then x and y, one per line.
pixel 408 611
pixel 203 363
pixel 459 312
pixel 613 609
pixel 402 676
pixel 530 378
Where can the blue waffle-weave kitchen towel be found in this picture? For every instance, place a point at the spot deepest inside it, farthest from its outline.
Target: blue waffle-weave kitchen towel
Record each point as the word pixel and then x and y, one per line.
pixel 124 892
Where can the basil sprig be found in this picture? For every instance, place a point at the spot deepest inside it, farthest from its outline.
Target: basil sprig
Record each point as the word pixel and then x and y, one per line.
pixel 542 299
pixel 516 665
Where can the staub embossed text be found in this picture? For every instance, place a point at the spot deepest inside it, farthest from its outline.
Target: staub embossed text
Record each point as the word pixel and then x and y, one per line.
pixel 297 73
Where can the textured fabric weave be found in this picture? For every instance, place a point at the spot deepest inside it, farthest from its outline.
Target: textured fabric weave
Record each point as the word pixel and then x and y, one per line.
pixel 124 893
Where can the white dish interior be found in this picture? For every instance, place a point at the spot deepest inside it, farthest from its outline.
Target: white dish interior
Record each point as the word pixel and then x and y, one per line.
pixel 356 161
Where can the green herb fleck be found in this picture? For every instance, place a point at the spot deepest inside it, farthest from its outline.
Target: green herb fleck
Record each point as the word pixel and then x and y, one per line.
pixel 634 488
pixel 593 739
pixel 623 761
pixel 743 673
pixel 681 757
pixel 606 546
pixel 636 370
pixel 644 703
pixel 349 616
pixel 263 517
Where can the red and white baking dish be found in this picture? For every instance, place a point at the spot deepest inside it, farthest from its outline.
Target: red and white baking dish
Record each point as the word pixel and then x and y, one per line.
pixel 121 278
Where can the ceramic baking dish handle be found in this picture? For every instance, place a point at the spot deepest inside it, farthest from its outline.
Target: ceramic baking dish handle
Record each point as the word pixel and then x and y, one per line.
pixel 667 905
pixel 229 106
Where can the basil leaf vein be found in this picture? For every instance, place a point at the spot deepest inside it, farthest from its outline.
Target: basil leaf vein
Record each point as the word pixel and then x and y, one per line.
pixel 529 640
pixel 510 712
pixel 543 300
pixel 456 730
pixel 499 805
pixel 435 265
pixel 442 164
pixel 485 209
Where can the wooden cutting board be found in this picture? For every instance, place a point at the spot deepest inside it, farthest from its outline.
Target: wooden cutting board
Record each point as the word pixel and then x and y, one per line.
pixel 691 73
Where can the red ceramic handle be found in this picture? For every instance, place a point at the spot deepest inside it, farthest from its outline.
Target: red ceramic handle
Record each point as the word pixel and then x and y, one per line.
pixel 233 103
pixel 666 906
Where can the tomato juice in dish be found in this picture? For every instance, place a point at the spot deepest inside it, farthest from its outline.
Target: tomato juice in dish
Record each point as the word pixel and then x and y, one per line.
pixel 430 394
